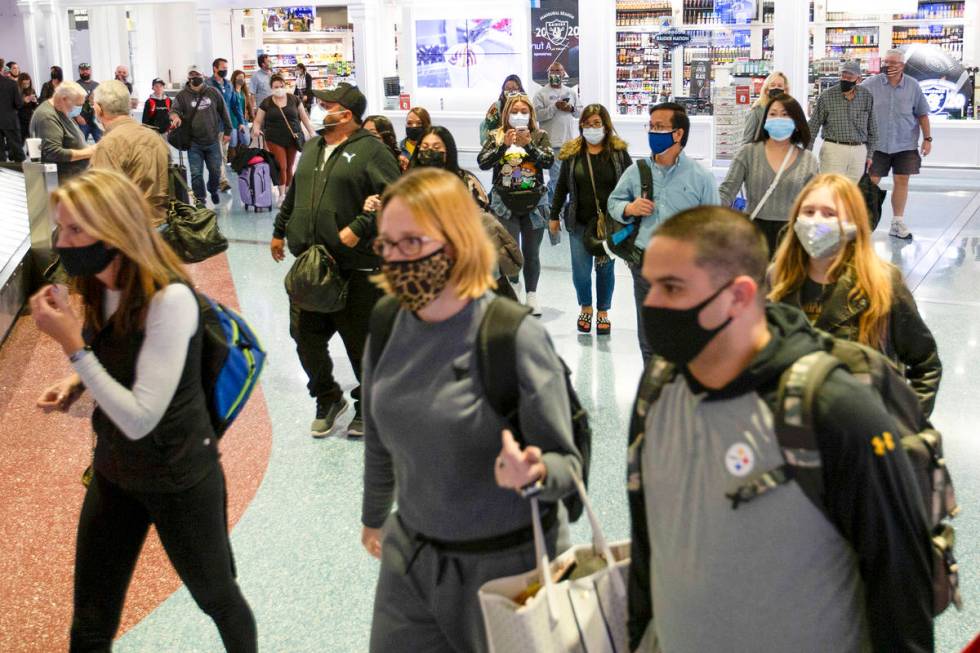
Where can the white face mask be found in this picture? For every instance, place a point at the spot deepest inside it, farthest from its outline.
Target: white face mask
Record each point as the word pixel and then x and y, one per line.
pixel 279 92
pixel 594 135
pixel 822 237
pixel 519 120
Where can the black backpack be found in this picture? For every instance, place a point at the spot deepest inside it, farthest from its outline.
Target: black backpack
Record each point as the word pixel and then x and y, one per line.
pixel 496 345
pixel 797 436
pixel 622 237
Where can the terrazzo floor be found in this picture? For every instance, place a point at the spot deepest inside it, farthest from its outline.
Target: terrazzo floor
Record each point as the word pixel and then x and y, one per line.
pixel 297 546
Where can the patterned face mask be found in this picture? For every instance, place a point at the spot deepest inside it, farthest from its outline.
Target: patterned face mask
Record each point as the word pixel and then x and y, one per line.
pixel 417 282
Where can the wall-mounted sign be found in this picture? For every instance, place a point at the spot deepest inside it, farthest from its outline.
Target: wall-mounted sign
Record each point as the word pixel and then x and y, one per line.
pixel 554 38
pixel 943 79
pixel 742 95
pixel 672 38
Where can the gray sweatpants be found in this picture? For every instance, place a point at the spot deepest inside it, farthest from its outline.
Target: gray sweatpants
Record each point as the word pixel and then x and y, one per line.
pixel 433 607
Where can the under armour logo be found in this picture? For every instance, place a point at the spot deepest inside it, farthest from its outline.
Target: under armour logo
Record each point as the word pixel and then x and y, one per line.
pixel 883 443
pixel 349 155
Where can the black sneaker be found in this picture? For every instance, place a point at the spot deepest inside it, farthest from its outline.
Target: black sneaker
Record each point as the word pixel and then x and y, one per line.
pixel 215 198
pixel 356 427
pixel 326 417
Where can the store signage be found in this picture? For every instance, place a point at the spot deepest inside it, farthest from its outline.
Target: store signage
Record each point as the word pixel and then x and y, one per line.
pixel 942 95
pixel 734 11
pixel 554 37
pixel 742 95
pixel 700 79
pixel 672 38
pixel 404 102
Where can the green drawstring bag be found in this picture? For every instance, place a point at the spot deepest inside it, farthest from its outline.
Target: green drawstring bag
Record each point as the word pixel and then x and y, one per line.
pixel 192 232
pixel 315 283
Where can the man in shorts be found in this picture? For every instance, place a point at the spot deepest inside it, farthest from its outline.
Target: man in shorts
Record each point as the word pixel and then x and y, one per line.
pixel 901 111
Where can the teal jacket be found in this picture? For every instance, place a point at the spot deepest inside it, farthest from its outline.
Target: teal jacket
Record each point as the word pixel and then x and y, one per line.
pixel 324 198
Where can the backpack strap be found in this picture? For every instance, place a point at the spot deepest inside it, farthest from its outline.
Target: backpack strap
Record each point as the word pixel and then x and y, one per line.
pixel 655 377
pixel 795 430
pixel 646 178
pixel 380 325
pixel 496 345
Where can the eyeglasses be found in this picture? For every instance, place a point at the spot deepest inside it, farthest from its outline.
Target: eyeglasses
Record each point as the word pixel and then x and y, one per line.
pixel 409 246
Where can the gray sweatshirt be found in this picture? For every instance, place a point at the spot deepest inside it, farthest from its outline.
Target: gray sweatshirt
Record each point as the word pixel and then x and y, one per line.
pixel 751 168
pixel 431 437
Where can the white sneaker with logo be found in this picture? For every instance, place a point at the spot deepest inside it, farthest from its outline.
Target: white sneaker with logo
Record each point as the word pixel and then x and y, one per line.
pixel 899 230
pixel 532 303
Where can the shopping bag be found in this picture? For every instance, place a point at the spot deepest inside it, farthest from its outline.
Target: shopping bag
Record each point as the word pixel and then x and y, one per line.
pixel 578 614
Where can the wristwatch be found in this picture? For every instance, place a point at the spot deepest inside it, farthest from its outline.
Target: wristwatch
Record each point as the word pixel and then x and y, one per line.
pixel 928 138
pixel 77 356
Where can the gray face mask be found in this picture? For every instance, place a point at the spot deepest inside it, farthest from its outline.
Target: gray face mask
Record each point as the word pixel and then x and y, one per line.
pixel 823 237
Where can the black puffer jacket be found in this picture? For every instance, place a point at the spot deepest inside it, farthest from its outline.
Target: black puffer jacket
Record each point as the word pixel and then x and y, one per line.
pixel 908 340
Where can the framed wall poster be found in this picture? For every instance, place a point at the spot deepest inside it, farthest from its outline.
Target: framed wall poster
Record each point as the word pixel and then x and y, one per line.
pixel 554 37
pixel 465 53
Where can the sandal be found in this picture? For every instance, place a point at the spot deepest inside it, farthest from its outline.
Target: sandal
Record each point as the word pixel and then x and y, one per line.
pixel 585 322
pixel 603 326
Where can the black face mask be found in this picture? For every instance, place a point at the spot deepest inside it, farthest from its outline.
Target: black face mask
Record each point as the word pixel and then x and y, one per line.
pixel 431 159
pixel 196 81
pixel 414 133
pixel 675 334
pixel 773 92
pixel 847 86
pixel 222 74
pixel 86 261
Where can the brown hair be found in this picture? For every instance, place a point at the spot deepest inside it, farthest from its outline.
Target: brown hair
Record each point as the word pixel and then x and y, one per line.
pixel 727 243
pixel 872 276
pixel 422 115
pixel 532 124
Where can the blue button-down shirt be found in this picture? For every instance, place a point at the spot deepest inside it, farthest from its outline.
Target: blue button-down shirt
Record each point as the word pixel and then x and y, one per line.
pixel 897 111
pixel 684 185
pixel 231 102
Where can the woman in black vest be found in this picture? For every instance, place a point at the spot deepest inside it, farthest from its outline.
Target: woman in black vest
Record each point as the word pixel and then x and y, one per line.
pixel 156 457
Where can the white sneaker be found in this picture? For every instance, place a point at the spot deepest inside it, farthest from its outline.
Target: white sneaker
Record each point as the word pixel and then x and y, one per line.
pixel 532 303
pixel 899 230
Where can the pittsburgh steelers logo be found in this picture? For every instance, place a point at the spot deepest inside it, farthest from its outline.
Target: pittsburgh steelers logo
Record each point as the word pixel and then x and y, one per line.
pixel 740 459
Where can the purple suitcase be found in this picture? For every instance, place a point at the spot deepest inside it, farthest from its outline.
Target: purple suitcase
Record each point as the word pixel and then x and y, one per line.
pixel 255 187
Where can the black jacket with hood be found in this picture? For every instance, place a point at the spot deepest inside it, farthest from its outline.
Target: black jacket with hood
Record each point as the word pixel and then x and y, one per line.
pixel 327 197
pixel 873 501
pixel 908 341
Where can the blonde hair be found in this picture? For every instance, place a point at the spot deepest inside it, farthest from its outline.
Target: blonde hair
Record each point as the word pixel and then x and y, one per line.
pixel 764 92
pixel 444 208
pixel 69 89
pixel 113 97
pixel 109 207
pixel 872 276
pixel 532 124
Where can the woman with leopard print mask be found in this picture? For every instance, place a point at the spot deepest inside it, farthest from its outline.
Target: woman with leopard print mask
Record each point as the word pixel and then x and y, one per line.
pixel 433 443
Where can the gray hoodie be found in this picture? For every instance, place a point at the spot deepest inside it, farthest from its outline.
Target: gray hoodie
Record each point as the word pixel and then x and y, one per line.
pixel 211 118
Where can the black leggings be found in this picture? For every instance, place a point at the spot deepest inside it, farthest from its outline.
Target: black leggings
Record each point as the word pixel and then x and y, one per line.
pixel 521 230
pixel 192 526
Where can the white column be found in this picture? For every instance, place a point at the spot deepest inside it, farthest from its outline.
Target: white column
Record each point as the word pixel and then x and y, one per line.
pixel 46 34
pixel 109 38
pixel 144 49
pixel 205 45
pixel 597 44
pixel 366 17
pixel 790 54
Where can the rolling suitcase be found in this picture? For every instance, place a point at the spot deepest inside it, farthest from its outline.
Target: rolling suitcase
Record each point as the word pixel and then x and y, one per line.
pixel 255 186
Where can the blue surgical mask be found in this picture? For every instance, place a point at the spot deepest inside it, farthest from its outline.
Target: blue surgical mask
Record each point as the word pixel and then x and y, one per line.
pixel 74 112
pixel 660 142
pixel 780 128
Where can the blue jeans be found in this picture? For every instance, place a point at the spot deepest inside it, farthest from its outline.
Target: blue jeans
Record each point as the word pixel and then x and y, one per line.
pixel 553 173
pixel 91 128
pixel 582 264
pixel 198 156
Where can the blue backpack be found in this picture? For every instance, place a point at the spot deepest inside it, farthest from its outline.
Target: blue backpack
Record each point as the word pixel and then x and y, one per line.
pixel 232 360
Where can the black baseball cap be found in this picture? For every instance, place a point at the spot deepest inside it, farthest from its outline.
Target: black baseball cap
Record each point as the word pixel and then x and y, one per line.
pixel 347 96
pixel 158 81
